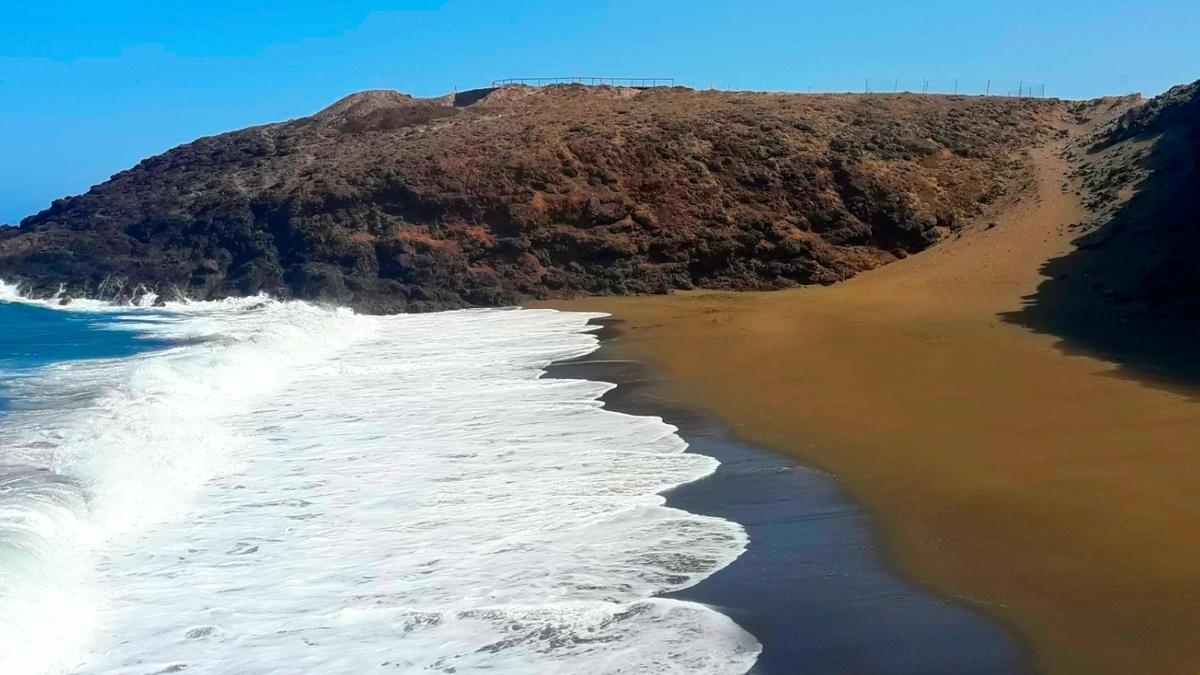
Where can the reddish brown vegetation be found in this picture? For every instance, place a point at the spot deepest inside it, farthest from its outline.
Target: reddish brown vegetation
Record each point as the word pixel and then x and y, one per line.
pixel 392 203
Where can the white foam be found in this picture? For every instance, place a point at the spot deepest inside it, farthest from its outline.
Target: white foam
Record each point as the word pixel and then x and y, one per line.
pixel 307 490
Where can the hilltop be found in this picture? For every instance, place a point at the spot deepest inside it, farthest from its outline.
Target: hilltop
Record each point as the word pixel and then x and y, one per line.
pixel 392 203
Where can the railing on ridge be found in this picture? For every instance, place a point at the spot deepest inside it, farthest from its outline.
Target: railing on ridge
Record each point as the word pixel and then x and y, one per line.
pixel 644 82
pixel 978 86
pixel 965 86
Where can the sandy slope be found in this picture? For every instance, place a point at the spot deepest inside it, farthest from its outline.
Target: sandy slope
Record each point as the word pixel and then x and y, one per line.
pixel 1039 486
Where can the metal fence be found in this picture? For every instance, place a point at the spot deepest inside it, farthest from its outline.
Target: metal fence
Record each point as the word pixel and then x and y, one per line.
pixel 643 82
pixel 966 86
pixel 955 85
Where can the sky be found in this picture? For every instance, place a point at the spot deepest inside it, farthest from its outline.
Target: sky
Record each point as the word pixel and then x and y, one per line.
pixel 88 88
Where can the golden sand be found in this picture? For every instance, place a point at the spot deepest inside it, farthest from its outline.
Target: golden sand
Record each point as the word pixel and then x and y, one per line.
pixel 1038 486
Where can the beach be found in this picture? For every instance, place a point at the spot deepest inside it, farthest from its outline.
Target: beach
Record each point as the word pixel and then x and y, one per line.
pixel 812 585
pixel 1003 469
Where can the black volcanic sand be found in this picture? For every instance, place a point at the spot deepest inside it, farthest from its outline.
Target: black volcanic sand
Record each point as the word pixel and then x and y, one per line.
pixel 812 585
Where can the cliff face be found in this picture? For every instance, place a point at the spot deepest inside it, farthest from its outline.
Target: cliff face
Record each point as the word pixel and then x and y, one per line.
pixel 391 203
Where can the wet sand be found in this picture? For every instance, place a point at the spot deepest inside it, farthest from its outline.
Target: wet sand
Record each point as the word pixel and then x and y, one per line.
pixel 812 585
pixel 1047 489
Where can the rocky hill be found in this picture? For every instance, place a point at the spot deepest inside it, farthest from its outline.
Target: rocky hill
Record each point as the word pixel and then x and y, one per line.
pixel 392 203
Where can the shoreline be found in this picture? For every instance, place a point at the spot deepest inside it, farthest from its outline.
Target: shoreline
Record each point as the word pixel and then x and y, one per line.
pixel 812 586
pixel 1047 488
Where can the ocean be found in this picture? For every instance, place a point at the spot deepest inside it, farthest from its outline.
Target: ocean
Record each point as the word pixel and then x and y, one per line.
pixel 256 486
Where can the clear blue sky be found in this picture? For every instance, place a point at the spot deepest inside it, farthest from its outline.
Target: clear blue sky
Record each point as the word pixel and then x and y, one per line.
pixel 89 88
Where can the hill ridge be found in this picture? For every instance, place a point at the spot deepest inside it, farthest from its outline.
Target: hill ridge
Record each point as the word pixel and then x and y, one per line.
pixel 392 203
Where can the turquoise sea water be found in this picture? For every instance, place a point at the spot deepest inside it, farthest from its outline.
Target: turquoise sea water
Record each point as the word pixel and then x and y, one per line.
pixel 33 337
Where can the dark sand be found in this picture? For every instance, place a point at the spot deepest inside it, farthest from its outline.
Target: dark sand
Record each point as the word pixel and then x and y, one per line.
pixel 811 586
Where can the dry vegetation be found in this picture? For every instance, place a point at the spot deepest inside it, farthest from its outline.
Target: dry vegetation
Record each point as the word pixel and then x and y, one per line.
pixel 393 203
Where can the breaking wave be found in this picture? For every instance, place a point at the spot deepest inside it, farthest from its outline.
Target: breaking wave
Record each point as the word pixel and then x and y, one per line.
pixel 285 484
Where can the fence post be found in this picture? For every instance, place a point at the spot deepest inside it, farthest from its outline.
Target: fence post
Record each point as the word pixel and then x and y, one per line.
pixel 1021 89
pixel 989 88
pixel 866 85
pixel 925 86
pixel 896 86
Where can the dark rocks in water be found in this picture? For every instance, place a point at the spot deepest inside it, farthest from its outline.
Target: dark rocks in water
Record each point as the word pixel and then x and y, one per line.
pixel 390 203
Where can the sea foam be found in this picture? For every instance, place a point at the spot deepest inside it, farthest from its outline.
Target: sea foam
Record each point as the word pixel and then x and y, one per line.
pixel 299 489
